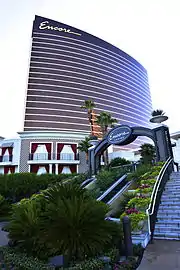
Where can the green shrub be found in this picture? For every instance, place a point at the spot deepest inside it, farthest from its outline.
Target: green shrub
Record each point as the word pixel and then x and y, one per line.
pixel 119 162
pixel 105 179
pixel 91 264
pixel 4 206
pixel 63 219
pixel 122 204
pixel 144 191
pixel 74 223
pixel 139 202
pixel 17 186
pixel 21 261
pixel 150 182
pixel 136 220
pixel 141 171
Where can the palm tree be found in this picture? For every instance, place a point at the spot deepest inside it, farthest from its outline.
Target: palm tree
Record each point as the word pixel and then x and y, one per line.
pixel 84 146
pixel 147 152
pixel 89 105
pixel 105 120
pixel 157 112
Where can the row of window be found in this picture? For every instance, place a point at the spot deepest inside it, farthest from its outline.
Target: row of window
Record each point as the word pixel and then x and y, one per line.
pixel 74 51
pixel 81 60
pixel 120 56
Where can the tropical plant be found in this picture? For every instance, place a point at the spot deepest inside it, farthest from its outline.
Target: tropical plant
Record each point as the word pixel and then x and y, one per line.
pixel 84 146
pixel 74 223
pixel 15 187
pixel 13 259
pixel 119 162
pixel 105 120
pixel 139 202
pixel 136 218
pixel 157 112
pixel 105 179
pixel 4 206
pixel 147 152
pixel 89 105
pixel 24 225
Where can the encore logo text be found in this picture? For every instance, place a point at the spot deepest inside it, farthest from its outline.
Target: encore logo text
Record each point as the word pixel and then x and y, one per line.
pixel 45 25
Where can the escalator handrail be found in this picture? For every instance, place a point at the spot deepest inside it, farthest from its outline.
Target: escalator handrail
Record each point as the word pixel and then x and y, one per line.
pixel 122 178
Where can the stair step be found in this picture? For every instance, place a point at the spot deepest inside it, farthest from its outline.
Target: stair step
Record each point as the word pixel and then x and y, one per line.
pixel 162 235
pixel 169 209
pixel 171 199
pixel 167 229
pixel 168 223
pixel 170 203
pixel 169 216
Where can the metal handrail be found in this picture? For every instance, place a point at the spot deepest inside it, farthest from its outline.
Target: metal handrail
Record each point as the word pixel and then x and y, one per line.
pixel 155 201
pixel 157 184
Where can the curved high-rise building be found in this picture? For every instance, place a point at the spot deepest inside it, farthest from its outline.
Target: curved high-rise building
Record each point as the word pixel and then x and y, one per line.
pixel 68 66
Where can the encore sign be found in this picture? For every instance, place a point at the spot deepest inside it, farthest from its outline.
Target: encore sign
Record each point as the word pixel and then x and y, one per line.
pixel 45 25
pixel 119 135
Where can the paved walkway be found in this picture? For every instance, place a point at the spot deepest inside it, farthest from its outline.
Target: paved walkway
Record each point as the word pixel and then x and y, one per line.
pixel 3 235
pixel 163 254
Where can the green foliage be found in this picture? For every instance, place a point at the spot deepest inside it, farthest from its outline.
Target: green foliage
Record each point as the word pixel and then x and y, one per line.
pixel 105 179
pixel 139 202
pixel 119 162
pixel 84 145
pixel 21 261
pixel 91 264
pixel 4 206
pixel 157 112
pixel 150 182
pixel 140 172
pixel 77 224
pixel 105 120
pixel 122 204
pixel 17 186
pixel 63 219
pixel 144 191
pixel 147 152
pixel 136 220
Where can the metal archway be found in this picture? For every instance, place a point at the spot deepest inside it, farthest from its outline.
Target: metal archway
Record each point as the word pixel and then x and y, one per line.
pixel 123 135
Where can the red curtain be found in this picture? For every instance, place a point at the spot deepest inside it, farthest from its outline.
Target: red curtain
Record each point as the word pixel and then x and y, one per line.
pixel 4 150
pixel 59 149
pixel 12 169
pixel 73 168
pixel 47 168
pixel 34 168
pixel 48 148
pixel 74 148
pixel 60 168
pixel 53 168
pixel 34 147
pixel 10 150
pixel 7 168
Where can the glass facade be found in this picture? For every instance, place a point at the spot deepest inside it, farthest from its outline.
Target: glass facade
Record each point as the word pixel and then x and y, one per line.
pixel 68 66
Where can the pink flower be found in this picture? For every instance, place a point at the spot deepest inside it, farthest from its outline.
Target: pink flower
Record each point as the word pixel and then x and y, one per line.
pixel 131 211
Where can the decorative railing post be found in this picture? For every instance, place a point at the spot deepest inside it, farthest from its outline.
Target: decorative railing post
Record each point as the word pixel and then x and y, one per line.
pixel 127 236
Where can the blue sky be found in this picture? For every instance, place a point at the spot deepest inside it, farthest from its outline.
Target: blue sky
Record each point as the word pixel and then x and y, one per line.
pixel 148 30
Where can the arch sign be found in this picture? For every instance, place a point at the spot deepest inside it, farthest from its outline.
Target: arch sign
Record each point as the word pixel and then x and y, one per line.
pixel 119 135
pixel 123 135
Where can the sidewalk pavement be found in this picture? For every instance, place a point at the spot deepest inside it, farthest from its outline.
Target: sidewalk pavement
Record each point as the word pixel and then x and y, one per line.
pixel 162 254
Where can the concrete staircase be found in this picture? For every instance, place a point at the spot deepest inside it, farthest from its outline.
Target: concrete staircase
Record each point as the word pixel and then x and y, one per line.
pixel 168 224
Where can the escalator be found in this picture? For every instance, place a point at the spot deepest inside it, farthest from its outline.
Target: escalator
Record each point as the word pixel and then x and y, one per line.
pixel 117 188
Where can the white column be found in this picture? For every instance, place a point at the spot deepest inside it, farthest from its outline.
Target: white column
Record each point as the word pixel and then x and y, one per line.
pixel 50 168
pixel 56 171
